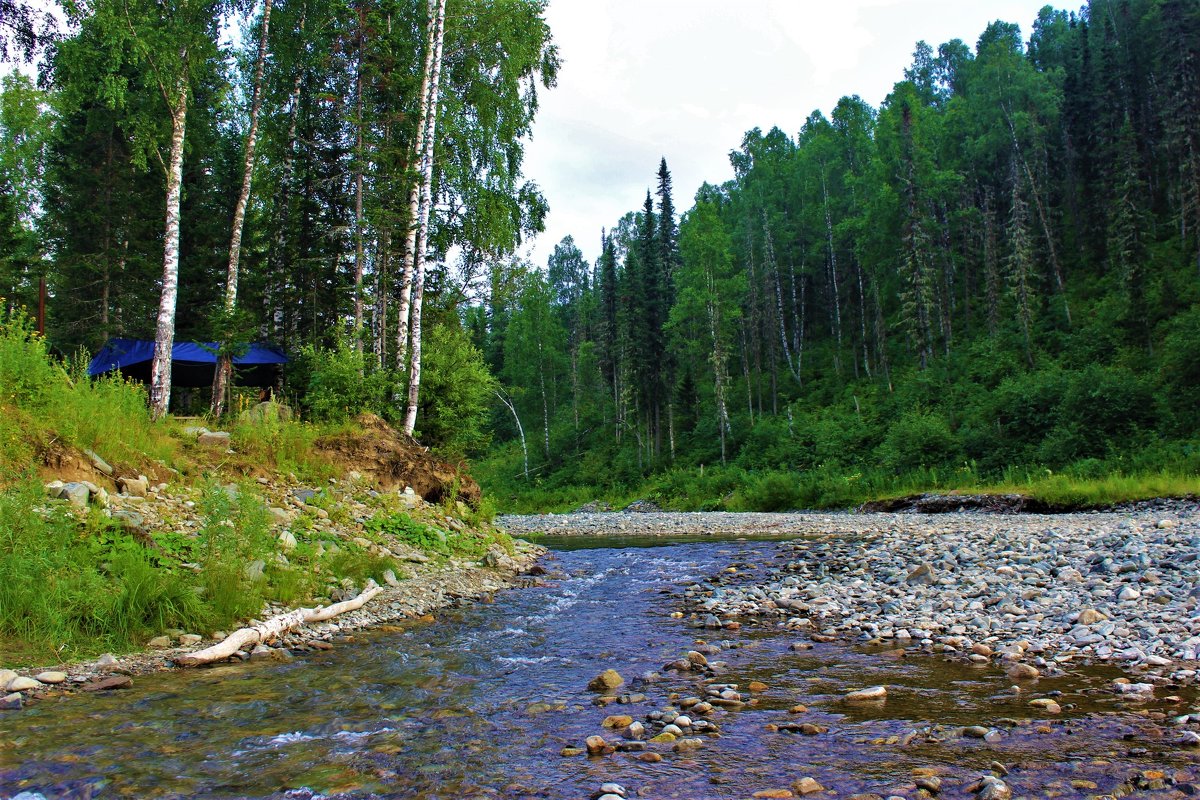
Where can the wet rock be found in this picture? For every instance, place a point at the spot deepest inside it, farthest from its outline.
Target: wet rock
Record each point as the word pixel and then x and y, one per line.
pixel 774 793
pixel 612 789
pixel 687 745
pixel 108 684
pixel 811 729
pixel 807 785
pixel 992 788
pixel 606 681
pixel 872 694
pixel 617 722
pixel 1023 672
pixel 571 752
pixel 975 732
pixel 650 758
pixel 597 746
pixel 930 783
pixel 11 702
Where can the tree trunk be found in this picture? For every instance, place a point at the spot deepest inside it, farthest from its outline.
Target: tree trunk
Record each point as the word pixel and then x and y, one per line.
pixel 414 198
pixel 414 371
pixel 358 190
pixel 224 370
pixel 164 334
pixel 273 627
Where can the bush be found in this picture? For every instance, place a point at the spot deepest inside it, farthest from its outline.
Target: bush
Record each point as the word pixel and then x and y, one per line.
pixel 456 393
pixel 920 439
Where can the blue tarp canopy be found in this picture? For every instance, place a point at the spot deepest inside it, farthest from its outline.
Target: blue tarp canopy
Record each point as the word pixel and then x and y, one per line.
pixel 192 363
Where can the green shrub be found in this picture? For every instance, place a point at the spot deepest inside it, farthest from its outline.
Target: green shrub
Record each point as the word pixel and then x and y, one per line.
pixel 919 439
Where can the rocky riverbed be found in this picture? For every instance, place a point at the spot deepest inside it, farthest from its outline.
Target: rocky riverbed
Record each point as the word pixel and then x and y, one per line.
pixel 1033 592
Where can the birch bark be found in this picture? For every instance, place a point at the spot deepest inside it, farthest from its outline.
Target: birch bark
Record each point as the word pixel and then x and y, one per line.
pixel 164 334
pixel 225 362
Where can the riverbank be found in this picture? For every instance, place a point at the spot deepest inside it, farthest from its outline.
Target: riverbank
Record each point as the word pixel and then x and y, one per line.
pixel 427 588
pixel 1037 590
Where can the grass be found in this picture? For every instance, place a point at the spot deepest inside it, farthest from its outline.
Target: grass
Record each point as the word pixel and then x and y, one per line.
pixel 734 489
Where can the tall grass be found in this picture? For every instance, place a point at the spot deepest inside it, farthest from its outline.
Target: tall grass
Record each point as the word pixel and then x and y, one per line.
pixel 42 400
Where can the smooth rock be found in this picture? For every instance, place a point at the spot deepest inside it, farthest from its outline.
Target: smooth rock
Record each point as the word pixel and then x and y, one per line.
pixel 807 785
pixel 869 695
pixel 109 683
pixel 1023 672
pixel 51 677
pixel 22 684
pixel 606 681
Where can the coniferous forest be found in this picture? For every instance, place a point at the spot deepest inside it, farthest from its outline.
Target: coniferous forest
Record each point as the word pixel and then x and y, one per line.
pixel 990 279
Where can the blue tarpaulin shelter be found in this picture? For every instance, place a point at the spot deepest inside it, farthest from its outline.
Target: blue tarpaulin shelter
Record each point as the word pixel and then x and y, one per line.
pixel 192 363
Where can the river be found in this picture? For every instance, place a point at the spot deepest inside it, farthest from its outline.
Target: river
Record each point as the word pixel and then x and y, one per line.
pixel 481 702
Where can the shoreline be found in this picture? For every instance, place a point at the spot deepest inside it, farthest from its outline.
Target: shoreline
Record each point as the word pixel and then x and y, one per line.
pixel 1042 591
pixel 430 588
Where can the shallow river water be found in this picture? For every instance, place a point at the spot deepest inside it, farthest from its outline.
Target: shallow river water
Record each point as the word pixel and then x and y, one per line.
pixel 480 703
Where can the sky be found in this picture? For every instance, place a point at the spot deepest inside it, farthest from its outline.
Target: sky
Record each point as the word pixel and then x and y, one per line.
pixel 685 79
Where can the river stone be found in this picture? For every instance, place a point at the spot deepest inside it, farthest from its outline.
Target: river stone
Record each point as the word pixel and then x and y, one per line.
pixel 650 758
pixel 109 683
pixel 613 788
pixel 11 702
pixel 159 642
pixel 189 639
pixel 605 681
pixel 617 721
pixel 133 487
pixel 923 575
pixel 1090 616
pixel 687 745
pixel 22 684
pixel 778 794
pixel 389 577
pixel 597 746
pixel 992 788
pixel 1023 672
pixel 287 541
pixel 807 785
pixel 6 675
pixel 930 783
pixel 636 730
pixel 869 695
pixel 51 677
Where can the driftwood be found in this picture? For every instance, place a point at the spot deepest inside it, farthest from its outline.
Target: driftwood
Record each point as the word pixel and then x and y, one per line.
pixel 273 627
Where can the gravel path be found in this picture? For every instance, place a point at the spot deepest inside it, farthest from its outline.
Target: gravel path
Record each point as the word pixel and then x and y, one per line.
pixel 1121 587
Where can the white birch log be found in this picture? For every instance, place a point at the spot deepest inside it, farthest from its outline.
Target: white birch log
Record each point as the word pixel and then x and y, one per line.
pixel 273 627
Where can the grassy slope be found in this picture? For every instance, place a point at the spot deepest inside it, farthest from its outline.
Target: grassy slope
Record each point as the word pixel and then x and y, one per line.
pixel 74 584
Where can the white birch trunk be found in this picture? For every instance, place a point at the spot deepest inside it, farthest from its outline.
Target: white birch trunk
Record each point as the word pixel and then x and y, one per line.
pixel 225 364
pixel 358 192
pixel 273 627
pixel 164 334
pixel 414 199
pixel 414 370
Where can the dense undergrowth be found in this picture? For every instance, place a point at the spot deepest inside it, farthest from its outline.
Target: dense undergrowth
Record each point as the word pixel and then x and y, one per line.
pixel 75 583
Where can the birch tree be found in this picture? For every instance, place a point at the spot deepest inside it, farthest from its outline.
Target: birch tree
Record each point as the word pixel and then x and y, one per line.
pixel 224 370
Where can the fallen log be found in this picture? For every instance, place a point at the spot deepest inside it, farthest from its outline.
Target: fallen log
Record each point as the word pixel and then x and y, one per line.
pixel 273 627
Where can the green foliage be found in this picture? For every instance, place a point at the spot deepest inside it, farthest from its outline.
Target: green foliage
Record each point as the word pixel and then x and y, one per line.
pixel 41 400
pixel 457 392
pixel 336 384
pixel 919 439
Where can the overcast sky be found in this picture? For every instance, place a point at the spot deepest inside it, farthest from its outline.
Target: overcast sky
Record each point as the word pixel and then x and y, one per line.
pixel 684 79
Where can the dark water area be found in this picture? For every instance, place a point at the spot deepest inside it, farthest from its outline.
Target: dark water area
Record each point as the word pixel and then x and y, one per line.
pixel 480 703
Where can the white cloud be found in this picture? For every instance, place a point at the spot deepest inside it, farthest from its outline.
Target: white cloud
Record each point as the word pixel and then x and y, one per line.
pixel 685 79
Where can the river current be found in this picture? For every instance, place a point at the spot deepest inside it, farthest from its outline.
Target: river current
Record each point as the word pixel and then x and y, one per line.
pixel 481 702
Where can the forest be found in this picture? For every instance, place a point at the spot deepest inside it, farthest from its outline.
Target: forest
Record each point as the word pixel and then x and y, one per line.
pixel 991 279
